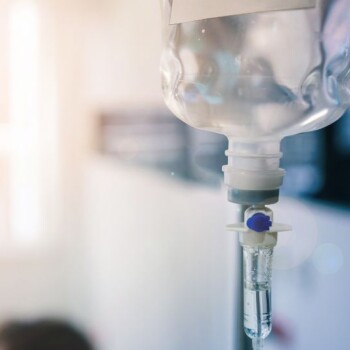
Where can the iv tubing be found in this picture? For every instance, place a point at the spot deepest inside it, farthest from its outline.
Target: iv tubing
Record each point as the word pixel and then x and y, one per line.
pixel 258 344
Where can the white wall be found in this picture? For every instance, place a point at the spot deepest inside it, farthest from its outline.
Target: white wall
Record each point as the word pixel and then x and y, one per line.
pixel 161 266
pixel 123 44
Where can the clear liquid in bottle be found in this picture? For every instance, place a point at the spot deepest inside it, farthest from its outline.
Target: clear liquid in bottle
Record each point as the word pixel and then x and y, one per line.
pixel 259 75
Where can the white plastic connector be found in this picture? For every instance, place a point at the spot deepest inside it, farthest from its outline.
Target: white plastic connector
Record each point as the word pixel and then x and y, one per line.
pixel 254 166
pixel 266 238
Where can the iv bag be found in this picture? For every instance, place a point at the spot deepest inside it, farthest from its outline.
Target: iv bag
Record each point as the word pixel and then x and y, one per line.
pixel 259 76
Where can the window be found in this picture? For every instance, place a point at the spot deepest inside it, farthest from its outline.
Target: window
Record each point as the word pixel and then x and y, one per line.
pixel 27 143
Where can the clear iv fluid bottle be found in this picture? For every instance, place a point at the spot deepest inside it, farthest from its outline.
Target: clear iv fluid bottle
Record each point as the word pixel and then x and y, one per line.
pixel 262 75
pixel 257 78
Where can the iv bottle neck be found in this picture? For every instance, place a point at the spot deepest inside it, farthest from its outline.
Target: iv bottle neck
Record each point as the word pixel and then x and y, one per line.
pixel 253 173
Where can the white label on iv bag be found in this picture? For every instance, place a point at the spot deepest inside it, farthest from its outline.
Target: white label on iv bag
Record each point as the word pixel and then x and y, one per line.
pixel 194 10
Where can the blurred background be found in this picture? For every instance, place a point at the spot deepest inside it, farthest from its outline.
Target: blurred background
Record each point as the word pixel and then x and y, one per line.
pixel 112 212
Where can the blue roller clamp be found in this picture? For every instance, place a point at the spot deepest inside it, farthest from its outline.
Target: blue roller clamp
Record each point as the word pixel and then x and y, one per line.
pixel 259 222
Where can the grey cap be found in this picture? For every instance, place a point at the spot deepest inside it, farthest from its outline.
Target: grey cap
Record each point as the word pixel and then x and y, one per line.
pixel 246 197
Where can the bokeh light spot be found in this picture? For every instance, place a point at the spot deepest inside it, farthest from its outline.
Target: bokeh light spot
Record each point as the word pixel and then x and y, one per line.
pixel 328 258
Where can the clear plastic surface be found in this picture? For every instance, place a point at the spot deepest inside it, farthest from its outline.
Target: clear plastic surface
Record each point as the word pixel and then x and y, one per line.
pixel 257 291
pixel 259 76
pixel 258 344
